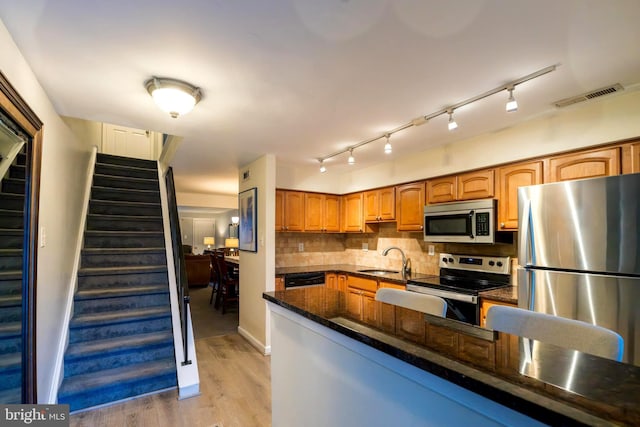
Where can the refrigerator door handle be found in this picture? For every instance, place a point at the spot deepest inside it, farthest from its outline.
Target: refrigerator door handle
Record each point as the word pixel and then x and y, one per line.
pixel 525 235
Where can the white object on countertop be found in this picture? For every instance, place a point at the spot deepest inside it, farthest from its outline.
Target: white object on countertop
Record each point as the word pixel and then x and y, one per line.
pixel 423 303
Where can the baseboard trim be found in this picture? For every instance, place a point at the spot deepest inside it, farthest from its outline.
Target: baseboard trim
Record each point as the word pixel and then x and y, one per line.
pixel 265 350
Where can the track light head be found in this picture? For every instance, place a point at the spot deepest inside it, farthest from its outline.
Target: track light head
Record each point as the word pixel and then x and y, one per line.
pixel 452 123
pixel 323 169
pixel 512 104
pixel 387 147
pixel 351 159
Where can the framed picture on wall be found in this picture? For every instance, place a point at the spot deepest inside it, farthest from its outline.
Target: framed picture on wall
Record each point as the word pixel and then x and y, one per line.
pixel 248 233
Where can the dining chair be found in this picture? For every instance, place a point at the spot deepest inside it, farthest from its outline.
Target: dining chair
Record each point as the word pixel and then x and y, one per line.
pixel 559 331
pixel 215 277
pixel 228 289
pixel 429 304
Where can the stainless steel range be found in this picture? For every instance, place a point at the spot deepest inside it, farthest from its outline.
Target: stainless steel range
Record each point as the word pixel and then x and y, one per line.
pixel 461 279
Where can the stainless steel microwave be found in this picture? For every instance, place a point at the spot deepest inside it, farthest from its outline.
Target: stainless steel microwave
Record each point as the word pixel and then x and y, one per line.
pixel 462 222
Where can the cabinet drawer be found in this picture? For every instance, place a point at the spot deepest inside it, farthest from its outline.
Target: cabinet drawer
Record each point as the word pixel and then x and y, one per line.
pixel 370 285
pixel 442 339
pixel 477 351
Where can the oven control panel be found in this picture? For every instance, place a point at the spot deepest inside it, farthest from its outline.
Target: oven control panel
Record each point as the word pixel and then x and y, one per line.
pixel 500 265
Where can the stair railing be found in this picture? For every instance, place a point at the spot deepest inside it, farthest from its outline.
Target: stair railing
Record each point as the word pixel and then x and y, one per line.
pixel 178 258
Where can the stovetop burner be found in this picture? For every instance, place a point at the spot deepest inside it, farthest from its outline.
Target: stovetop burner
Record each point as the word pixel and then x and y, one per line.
pixel 458 284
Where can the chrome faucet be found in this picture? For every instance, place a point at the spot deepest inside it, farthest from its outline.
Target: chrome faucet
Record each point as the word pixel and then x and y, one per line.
pixel 406 262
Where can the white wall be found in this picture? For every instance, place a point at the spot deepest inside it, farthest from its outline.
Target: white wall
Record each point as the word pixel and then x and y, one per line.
pixel 64 164
pixel 206 200
pixel 257 270
pixel 609 119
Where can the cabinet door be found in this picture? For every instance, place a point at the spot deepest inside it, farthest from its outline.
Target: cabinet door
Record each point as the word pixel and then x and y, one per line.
pixel 476 185
pixel 510 178
pixel 294 211
pixel 279 283
pixel 369 308
pixel 441 190
pixel 352 218
pixel 371 205
pixel 354 303
pixel 392 285
pixel 631 158
pixel 410 324
pixel 332 213
pixel 410 206
pixel 477 351
pixel 486 305
pixel 342 282
pixel 313 211
pixel 590 164
pixel 331 280
pixel 387 317
pixel 387 204
pixel 279 210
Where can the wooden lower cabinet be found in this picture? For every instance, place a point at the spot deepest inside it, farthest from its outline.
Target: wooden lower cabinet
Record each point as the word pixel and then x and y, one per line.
pixel 410 324
pixel 442 339
pixel 361 298
pixel 484 307
pixel 477 351
pixel 331 280
pixel 279 283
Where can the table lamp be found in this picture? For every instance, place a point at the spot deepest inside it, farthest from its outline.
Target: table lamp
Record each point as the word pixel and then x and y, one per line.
pixel 209 241
pixel 231 243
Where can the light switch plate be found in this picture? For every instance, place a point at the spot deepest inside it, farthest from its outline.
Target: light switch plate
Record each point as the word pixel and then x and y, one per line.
pixel 301 247
pixel 432 250
pixel 365 247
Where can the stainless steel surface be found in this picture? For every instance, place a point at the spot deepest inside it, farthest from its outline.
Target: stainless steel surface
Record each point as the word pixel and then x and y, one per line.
pixel 580 253
pixel 589 224
pixel 490 264
pixel 443 294
pixel 379 271
pixel 451 215
pixel 406 269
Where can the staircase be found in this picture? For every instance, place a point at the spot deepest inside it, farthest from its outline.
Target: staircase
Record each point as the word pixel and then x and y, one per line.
pixel 120 336
pixel 11 238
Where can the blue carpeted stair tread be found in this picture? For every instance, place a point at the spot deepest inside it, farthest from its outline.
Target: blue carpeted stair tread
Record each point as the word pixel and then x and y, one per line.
pixel 123 217
pixel 10 329
pixel 119 344
pixel 125 168
pixel 125 178
pixel 128 251
pixel 113 292
pixel 99 271
pixel 127 190
pixel 119 316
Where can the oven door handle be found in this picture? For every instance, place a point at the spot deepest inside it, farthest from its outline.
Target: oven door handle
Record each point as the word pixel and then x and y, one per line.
pixel 443 294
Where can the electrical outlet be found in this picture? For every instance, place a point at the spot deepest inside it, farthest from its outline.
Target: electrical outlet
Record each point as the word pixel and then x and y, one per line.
pixel 365 247
pixel 432 250
pixel 300 247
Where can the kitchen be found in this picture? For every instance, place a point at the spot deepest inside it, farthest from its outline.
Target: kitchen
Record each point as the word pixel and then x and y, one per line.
pixel 365 249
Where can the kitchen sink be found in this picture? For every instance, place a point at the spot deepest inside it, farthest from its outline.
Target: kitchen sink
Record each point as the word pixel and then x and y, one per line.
pixel 378 271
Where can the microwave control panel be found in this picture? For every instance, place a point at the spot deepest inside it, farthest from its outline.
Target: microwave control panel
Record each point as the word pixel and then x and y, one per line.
pixel 482 224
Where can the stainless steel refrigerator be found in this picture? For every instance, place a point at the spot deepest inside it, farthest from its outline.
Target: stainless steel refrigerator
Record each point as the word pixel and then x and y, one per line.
pixel 579 253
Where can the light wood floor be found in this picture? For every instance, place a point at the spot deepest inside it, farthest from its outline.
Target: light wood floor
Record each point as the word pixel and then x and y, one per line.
pixel 235 384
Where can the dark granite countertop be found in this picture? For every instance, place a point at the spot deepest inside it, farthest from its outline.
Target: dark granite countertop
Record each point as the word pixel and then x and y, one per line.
pixel 349 269
pixel 558 387
pixel 508 294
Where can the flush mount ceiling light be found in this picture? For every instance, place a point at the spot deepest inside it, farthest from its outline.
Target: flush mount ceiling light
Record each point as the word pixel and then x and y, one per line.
pixel 512 105
pixel 176 97
pixel 452 123
pixel 387 147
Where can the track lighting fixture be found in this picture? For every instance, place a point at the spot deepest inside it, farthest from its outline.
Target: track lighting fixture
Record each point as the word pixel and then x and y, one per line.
pixel 452 123
pixel 322 168
pixel 512 104
pixel 387 147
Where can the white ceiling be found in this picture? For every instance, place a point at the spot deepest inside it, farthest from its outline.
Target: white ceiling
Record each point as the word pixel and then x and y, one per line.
pixel 304 78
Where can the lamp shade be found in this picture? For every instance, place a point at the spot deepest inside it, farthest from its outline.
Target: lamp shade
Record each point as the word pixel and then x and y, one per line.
pixel 235 219
pixel 209 241
pixel 231 243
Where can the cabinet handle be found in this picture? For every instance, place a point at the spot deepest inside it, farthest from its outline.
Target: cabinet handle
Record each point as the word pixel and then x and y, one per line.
pixel 421 227
pixel 502 225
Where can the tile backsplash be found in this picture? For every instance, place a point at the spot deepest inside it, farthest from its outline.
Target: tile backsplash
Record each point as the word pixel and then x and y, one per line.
pixel 345 248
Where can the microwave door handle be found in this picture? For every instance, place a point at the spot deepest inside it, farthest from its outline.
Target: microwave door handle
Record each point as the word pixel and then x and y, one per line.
pixel 471 214
pixel 526 235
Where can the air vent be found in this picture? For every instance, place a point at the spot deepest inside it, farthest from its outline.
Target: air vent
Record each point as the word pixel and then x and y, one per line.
pixel 589 95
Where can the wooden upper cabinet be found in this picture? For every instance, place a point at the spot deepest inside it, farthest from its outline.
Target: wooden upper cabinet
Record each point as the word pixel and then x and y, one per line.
pixel 631 157
pixel 586 164
pixel 380 205
pixel 322 212
pixel 352 213
pixel 410 202
pixel 289 210
pixel 440 190
pixel 279 210
pixel 476 185
pixel 510 178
